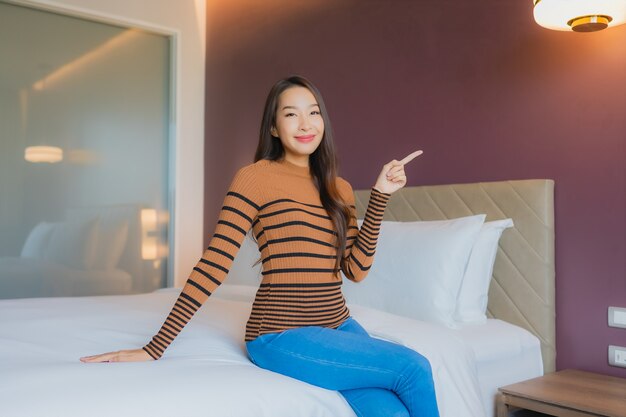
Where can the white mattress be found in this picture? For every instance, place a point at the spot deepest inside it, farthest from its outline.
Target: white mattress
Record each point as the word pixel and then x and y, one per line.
pixel 205 372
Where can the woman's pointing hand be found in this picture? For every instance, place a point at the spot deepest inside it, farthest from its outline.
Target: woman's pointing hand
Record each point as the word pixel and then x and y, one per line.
pixel 392 177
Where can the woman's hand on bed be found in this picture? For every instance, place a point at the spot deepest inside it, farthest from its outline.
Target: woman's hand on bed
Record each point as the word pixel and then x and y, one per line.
pixel 132 355
pixel 392 177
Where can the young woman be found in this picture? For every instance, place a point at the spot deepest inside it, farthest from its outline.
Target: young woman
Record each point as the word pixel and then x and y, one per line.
pixel 304 220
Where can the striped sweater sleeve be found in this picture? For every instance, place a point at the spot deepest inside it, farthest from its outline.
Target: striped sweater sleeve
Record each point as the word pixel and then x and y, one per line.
pixel 361 243
pixel 240 207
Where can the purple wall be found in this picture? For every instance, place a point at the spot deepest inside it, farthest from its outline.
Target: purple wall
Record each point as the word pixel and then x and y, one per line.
pixel 484 91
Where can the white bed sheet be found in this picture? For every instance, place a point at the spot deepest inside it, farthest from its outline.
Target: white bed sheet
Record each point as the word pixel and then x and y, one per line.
pixel 504 353
pixel 205 371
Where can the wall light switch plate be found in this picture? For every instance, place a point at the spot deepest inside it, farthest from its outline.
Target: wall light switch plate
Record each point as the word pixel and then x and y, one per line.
pixel 617 356
pixel 617 317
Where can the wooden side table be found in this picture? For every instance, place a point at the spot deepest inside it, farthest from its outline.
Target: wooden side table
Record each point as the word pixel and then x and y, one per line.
pixel 567 393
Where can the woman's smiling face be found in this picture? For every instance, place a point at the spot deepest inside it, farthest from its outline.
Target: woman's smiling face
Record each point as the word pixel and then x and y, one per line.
pixel 299 124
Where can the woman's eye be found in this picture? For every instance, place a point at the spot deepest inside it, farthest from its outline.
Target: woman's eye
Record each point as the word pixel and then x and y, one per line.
pixel 315 112
pixel 290 114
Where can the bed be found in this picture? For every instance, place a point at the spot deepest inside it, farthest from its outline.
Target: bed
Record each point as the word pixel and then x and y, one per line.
pixel 94 251
pixel 206 373
pixel 522 291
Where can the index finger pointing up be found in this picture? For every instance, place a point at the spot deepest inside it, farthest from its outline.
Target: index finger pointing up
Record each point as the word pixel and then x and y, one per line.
pixel 410 157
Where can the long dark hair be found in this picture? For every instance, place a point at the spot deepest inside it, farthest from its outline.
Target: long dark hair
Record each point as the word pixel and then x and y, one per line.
pixel 322 162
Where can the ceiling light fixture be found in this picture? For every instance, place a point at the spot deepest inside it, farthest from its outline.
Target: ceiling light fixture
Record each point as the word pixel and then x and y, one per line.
pixel 49 154
pixel 579 15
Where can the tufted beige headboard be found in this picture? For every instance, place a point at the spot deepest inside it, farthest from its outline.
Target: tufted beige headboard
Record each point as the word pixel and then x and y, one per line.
pixel 522 289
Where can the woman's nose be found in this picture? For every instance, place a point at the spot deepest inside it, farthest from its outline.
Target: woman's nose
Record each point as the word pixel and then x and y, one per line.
pixel 305 125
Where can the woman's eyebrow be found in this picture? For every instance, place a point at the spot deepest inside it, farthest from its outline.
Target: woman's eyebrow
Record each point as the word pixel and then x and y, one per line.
pixel 294 107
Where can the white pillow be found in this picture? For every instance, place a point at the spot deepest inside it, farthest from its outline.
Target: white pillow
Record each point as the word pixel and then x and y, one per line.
pixel 471 304
pixel 418 268
pixel 235 292
pixel 243 271
pixel 73 243
pixel 110 244
pixel 36 242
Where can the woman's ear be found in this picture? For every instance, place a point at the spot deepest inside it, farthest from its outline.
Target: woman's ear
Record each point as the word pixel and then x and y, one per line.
pixel 273 132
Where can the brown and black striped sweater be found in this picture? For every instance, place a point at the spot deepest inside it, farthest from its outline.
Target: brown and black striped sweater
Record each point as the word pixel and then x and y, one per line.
pixel 296 238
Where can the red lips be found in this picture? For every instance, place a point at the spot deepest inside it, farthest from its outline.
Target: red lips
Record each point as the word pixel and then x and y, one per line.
pixel 305 138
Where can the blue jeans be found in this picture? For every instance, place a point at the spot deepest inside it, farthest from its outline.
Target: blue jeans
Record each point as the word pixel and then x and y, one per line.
pixel 376 377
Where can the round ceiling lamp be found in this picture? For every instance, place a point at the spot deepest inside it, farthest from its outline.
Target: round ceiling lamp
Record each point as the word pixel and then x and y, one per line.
pixel 49 154
pixel 579 15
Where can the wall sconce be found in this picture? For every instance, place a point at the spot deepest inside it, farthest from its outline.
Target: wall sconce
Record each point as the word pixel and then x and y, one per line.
pixel 149 236
pixel 49 154
pixel 579 15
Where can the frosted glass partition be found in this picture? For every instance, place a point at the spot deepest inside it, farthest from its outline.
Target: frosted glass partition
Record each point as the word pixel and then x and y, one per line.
pixel 84 133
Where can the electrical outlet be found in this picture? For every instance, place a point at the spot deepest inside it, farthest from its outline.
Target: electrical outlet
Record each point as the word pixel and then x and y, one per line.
pixel 617 317
pixel 617 356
